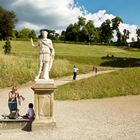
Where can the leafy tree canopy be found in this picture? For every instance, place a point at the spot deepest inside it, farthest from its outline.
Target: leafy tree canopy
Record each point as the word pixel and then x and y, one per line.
pixel 7 23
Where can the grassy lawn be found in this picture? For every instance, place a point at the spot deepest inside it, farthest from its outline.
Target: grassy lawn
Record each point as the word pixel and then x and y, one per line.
pixel 21 66
pixel 118 83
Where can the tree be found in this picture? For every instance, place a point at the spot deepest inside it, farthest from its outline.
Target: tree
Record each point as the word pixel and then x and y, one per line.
pixel 105 32
pixel 16 34
pixel 62 37
pixel 138 34
pixel 7 47
pixel 81 22
pixel 27 33
pixel 7 23
pixel 93 34
pixel 80 31
pixel 32 34
pixel 125 36
pixel 133 39
pixel 119 36
pixel 68 33
pixel 116 22
pixel 83 34
pixel 115 26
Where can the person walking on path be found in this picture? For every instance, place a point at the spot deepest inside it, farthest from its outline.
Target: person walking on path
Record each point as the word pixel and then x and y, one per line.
pixel 95 70
pixel 75 69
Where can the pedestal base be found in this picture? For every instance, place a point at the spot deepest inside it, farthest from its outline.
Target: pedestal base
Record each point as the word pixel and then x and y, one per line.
pixel 44 96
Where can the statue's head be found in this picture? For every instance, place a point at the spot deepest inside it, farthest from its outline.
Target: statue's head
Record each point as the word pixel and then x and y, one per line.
pixel 43 33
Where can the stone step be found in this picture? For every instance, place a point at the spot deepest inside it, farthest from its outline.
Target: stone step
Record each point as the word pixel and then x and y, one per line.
pixel 23 124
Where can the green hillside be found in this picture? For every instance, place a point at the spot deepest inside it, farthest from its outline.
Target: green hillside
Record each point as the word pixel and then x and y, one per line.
pixel 21 66
pixel 119 83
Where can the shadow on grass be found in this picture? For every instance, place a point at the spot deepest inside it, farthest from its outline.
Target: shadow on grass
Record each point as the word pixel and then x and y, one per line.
pixel 120 62
pixel 106 61
pixel 82 59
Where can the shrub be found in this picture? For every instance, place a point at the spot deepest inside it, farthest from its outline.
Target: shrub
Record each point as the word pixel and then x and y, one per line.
pixel 7 47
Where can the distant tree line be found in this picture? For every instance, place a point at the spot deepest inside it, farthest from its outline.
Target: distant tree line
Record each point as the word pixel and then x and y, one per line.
pixel 85 31
pixel 26 34
pixel 81 31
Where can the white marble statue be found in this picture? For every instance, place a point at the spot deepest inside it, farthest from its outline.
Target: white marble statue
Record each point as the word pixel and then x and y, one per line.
pixel 46 56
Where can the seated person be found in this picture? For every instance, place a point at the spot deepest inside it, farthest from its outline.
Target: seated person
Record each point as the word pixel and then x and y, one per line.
pixel 30 113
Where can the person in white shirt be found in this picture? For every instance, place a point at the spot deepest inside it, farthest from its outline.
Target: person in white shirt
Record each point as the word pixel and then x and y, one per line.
pixel 30 112
pixel 75 69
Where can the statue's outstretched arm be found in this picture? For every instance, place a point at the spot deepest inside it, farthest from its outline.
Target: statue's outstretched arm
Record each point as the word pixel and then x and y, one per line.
pixel 32 43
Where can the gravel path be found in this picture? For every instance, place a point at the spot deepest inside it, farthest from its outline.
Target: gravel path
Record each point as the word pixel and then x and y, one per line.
pixel 115 118
pixel 68 79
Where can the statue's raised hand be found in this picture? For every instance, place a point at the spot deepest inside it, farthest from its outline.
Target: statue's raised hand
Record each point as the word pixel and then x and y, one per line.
pixel 32 42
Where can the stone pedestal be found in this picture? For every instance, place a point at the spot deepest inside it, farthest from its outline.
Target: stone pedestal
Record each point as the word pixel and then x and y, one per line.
pixel 44 98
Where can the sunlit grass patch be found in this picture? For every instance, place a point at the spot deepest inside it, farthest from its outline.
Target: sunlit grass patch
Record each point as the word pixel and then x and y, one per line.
pixel 21 66
pixel 14 70
pixel 118 83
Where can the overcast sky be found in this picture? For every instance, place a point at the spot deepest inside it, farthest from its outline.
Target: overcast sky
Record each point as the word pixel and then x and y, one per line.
pixel 58 14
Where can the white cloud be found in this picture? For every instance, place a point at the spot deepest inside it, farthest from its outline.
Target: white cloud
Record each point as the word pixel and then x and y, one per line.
pixel 48 13
pixel 100 17
pixel 57 15
pixel 28 25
